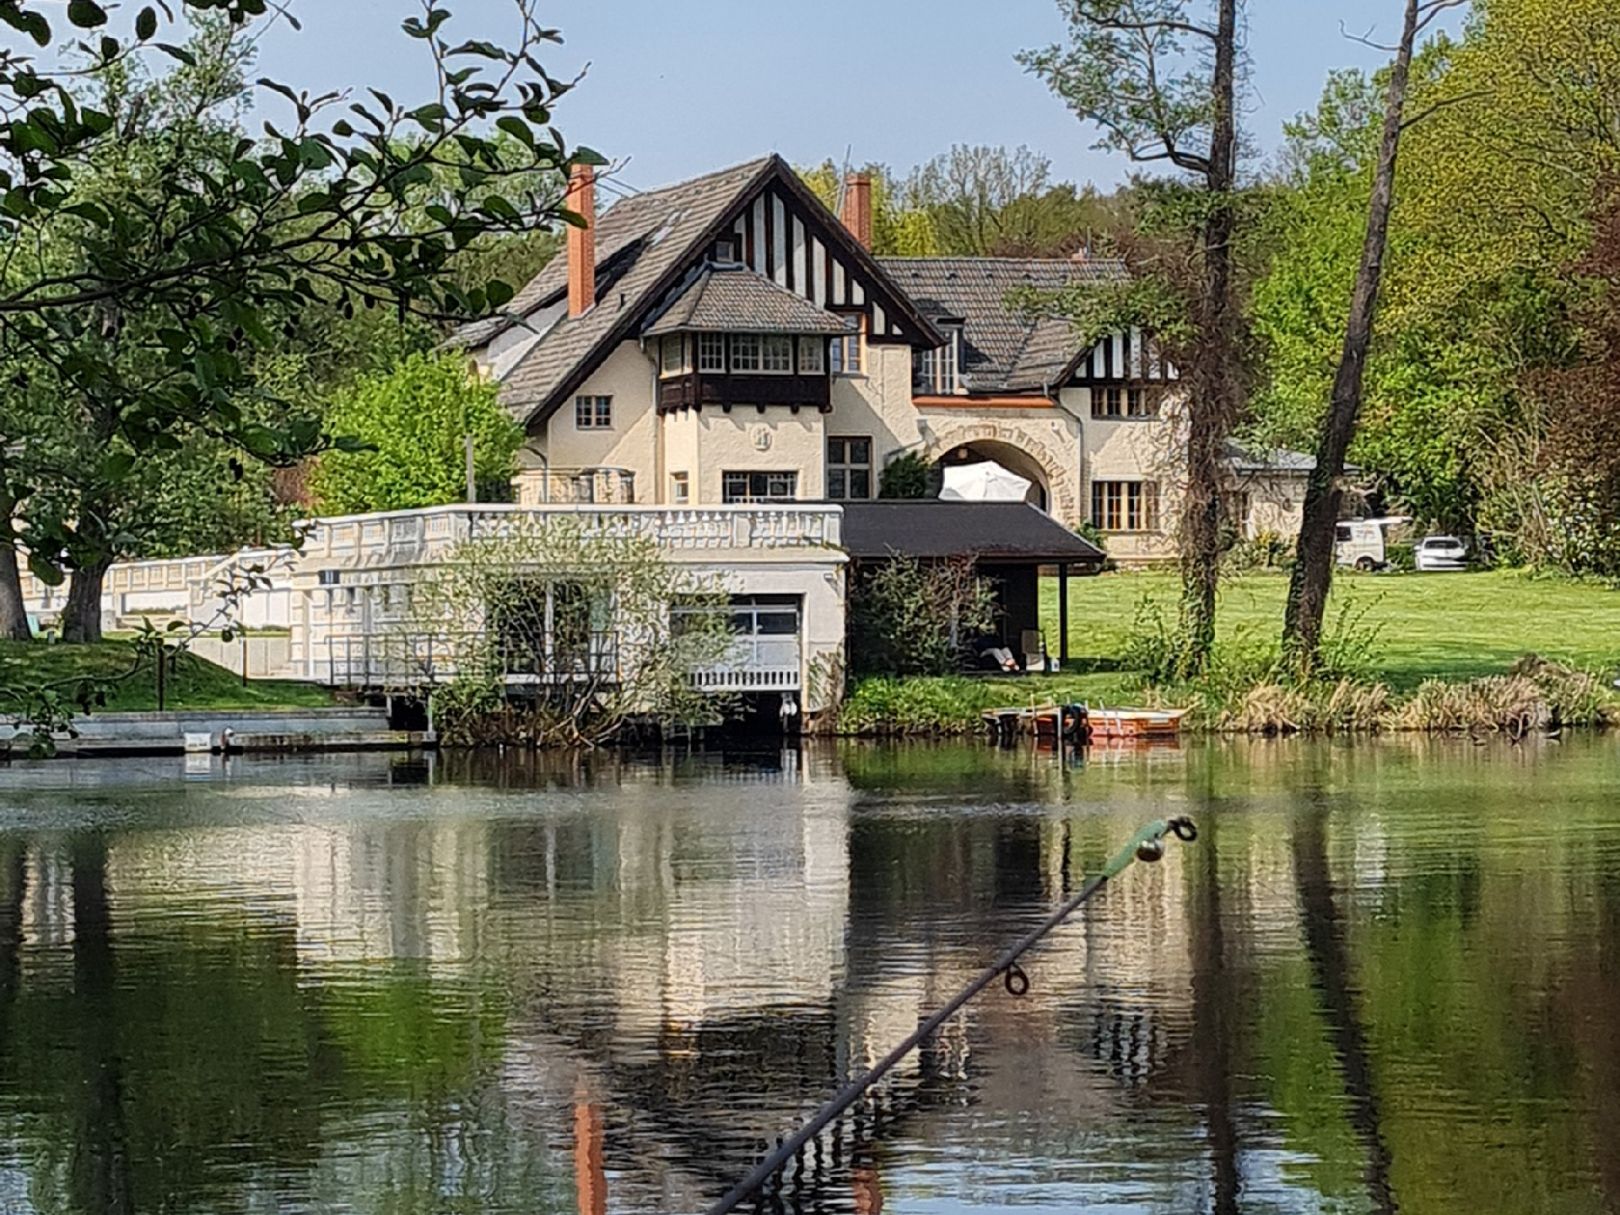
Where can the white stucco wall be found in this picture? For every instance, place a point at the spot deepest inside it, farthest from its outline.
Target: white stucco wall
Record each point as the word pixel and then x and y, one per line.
pixel 1132 449
pixel 748 440
pixel 632 441
pixel 877 403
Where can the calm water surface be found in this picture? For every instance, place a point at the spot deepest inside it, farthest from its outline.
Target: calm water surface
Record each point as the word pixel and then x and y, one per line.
pixel 1386 978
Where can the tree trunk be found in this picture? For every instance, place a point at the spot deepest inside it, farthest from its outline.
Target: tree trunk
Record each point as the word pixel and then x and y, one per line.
pixel 1314 556
pixel 81 615
pixel 1213 404
pixel 13 611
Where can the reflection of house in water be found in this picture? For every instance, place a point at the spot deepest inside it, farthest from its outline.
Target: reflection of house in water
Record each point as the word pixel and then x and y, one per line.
pixel 360 892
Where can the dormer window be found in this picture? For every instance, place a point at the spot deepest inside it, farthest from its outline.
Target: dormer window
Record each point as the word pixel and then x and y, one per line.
pixel 937 372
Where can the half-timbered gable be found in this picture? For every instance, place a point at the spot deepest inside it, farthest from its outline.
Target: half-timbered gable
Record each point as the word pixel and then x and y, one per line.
pixel 1127 356
pixel 728 340
pixel 758 214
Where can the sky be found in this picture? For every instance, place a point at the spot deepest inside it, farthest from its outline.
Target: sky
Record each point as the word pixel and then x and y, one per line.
pixel 680 87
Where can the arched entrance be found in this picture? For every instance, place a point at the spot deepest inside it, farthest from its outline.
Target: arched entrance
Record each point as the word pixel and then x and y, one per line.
pixel 1015 460
pixel 1024 447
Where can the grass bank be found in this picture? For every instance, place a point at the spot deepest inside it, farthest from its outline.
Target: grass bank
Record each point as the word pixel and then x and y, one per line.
pixel 1427 626
pixel 1435 652
pixel 192 684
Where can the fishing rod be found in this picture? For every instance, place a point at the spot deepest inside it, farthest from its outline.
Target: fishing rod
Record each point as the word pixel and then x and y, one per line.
pixel 1146 845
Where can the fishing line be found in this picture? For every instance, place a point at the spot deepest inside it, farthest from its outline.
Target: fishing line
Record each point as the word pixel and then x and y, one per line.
pixel 1146 845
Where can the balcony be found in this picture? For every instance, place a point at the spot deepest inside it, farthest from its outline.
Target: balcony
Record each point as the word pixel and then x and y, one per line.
pixel 417 537
pixel 697 390
pixel 564 486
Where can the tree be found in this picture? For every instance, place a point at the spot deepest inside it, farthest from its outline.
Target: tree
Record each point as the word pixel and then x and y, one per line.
pixel 591 622
pixel 1312 574
pixel 991 201
pixel 412 424
pixel 1480 281
pixel 1576 419
pixel 898 230
pixel 217 245
pixel 1127 70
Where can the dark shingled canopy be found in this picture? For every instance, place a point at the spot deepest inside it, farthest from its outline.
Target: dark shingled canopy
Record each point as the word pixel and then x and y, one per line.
pixel 1008 541
pixel 933 528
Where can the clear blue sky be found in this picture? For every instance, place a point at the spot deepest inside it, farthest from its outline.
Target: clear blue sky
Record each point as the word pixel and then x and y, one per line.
pixel 682 86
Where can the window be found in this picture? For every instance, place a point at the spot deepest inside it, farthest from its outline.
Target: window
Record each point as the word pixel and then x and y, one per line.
pixel 1125 506
pixel 680 488
pixel 849 467
pixel 593 413
pixel 938 371
pixel 846 350
pixel 711 352
pixel 745 352
pixel 776 353
pixel 1125 401
pixel 673 358
pixel 812 356
pixel 765 615
pixel 759 486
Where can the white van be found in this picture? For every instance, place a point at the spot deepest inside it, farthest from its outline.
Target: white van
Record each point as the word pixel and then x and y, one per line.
pixel 1360 542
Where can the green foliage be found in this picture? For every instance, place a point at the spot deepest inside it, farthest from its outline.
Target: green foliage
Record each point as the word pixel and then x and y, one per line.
pixel 908 475
pixel 156 254
pixel 1263 551
pixel 1500 173
pixel 994 202
pixel 117 676
pixel 595 623
pixel 404 433
pixel 908 617
pixel 899 229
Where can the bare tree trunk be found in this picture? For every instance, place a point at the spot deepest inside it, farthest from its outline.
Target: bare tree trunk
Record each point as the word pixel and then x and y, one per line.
pixel 81 614
pixel 1313 565
pixel 1212 406
pixel 13 611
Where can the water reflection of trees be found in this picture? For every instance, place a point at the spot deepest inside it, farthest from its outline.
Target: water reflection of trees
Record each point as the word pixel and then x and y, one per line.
pixel 1375 969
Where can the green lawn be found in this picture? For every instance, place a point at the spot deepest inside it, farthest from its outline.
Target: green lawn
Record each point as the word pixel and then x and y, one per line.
pixel 194 684
pixel 1449 626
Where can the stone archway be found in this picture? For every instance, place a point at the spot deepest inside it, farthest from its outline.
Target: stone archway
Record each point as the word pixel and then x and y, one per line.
pixel 1029 452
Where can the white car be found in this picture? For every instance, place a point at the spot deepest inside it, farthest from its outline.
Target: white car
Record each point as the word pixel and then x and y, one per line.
pixel 1438 554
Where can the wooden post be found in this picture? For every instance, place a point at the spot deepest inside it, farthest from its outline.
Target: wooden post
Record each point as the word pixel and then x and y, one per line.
pixel 1063 615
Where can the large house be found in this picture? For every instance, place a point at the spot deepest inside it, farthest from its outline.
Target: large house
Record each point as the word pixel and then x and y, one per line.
pixel 729 340
pixel 723 366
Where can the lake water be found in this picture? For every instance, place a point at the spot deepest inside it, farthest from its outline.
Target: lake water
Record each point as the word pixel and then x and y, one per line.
pixel 1386 977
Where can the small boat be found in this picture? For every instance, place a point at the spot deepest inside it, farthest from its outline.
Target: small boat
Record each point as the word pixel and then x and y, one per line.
pixel 1134 723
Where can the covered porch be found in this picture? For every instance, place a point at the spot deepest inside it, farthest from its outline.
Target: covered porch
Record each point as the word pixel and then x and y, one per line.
pixel 1009 543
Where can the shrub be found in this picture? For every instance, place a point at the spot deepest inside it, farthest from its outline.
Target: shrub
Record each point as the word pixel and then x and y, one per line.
pixel 1401 556
pixel 907 617
pixel 909 475
pixel 1263 551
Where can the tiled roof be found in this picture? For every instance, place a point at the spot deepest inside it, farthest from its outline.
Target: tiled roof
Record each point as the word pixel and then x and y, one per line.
pixel 1004 349
pixel 639 241
pixel 931 528
pixel 734 299
pixel 1255 459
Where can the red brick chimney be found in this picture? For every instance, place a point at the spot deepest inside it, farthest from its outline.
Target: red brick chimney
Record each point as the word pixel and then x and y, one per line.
pixel 581 200
pixel 857 214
